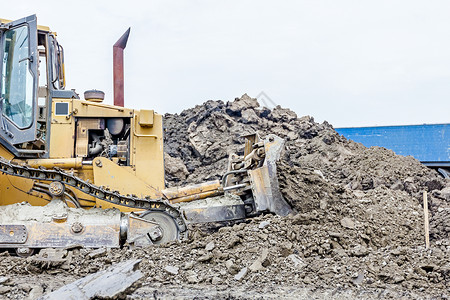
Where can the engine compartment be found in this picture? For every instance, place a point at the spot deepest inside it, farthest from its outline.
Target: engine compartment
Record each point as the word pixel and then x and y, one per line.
pixel 104 137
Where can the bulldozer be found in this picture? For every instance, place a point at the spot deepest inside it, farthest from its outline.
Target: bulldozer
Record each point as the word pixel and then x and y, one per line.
pixel 79 172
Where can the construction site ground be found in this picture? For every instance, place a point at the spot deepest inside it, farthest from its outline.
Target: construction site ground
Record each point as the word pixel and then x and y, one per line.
pixel 357 231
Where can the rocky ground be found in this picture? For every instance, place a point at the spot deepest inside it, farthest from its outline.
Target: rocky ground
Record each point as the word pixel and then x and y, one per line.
pixel 357 230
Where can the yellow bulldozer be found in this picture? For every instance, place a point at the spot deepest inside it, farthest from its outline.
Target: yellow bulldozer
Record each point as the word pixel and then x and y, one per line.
pixel 81 172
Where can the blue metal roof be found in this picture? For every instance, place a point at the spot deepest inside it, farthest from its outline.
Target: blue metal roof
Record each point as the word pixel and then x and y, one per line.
pixel 429 143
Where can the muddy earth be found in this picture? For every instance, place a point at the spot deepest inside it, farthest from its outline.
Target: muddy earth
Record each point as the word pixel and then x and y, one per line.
pixel 357 231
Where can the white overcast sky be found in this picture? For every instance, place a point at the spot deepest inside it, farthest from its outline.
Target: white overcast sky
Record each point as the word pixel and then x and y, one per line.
pixel 352 63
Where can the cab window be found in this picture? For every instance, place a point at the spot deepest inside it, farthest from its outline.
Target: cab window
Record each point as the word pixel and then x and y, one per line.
pixel 17 80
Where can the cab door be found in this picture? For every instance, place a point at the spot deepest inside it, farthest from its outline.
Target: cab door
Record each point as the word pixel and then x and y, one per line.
pixel 19 81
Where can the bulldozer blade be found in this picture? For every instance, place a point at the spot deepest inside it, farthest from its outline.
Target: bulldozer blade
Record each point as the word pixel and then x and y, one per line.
pixel 264 180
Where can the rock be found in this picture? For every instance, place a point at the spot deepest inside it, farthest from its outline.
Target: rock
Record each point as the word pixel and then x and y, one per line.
pixel 205 258
pixel 239 276
pixel 318 172
pixel 262 261
pixel 171 270
pixel 263 236
pixel 26 287
pixel 347 223
pixel 263 224
pixel 280 114
pixel 359 194
pixel 355 185
pixel 233 242
pixel 409 185
pixel 399 251
pixel 175 167
pixel 249 116
pixel 445 194
pixel 52 258
pixel 265 261
pixel 192 278
pixel 189 265
pixel 256 266
pixel 216 280
pixel 300 219
pixel 238 227
pixel 398 186
pixel 210 246
pixel 3 279
pixel 399 278
pixel 217 254
pixel 4 289
pixel 231 267
pixel 241 104
pixel 359 251
pixel 97 253
pixel 296 261
pixel 229 263
pixel 428 267
pixel 358 279
pixel 35 292
pixel 323 204
pixel 335 245
pixel 110 283
pixel 336 234
pixel 286 249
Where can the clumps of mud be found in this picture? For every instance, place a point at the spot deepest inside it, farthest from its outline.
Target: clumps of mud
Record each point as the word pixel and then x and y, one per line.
pixel 263 254
pixel 359 210
pixel 318 165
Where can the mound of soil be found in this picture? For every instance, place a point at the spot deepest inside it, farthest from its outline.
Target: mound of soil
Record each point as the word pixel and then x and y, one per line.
pixel 317 165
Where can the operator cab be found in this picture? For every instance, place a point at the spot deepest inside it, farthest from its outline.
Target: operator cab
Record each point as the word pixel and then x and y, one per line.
pixel 32 74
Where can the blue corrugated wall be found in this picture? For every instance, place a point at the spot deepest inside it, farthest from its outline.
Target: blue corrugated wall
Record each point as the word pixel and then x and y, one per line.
pixel 429 143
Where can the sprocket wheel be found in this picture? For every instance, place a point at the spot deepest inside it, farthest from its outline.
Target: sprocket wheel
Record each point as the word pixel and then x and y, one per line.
pixel 169 228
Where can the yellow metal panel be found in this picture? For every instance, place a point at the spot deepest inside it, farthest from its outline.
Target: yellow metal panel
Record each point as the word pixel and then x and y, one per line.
pixel 62 140
pixel 5 153
pixel 147 155
pixel 122 179
pixel 82 108
pixel 62 133
pixel 17 189
pixel 5 185
pixel 146 118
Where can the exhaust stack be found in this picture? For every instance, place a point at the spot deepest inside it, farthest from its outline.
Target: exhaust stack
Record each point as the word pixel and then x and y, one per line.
pixel 118 48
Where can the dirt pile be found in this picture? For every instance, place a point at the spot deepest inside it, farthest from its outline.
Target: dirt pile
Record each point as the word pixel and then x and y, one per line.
pixel 359 208
pixel 317 165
